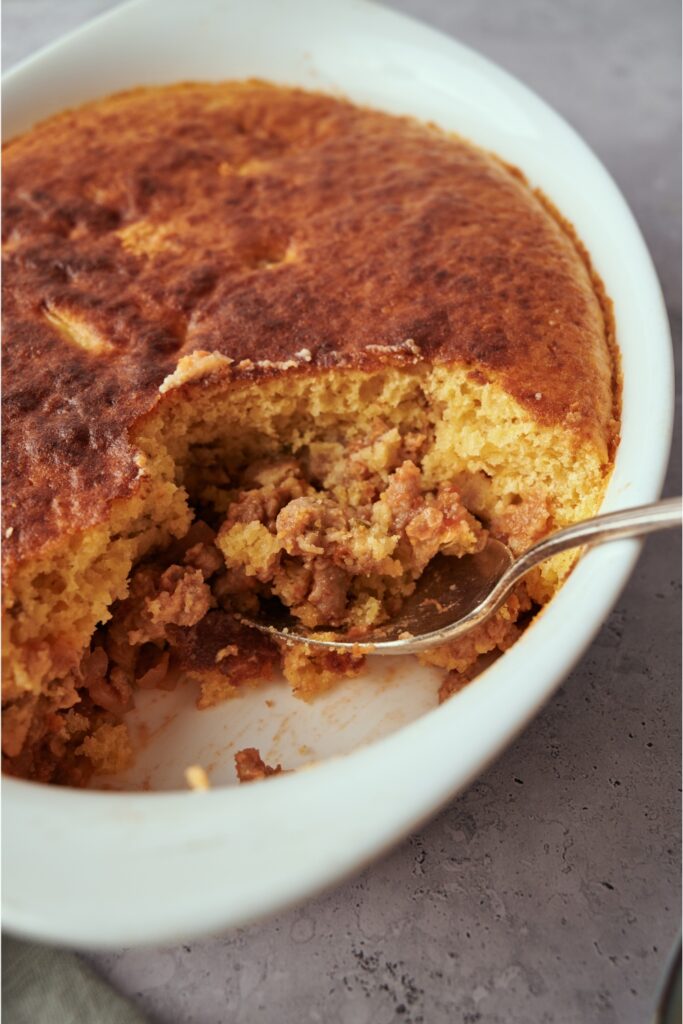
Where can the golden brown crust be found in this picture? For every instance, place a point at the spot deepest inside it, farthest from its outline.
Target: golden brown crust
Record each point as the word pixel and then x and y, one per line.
pixel 613 431
pixel 273 226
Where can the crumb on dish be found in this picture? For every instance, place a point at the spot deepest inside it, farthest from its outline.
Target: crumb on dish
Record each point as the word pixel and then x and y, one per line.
pixel 196 778
pixel 251 767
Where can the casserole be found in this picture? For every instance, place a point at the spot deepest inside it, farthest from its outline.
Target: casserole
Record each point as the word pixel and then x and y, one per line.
pixel 330 820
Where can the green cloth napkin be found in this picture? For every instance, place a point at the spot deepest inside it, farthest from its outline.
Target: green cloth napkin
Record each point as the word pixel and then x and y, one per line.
pixel 42 985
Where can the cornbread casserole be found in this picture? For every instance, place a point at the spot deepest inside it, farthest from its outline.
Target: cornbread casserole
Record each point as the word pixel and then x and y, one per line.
pixel 259 341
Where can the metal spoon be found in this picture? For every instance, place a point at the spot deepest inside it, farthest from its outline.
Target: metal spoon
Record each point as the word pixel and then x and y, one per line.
pixel 455 594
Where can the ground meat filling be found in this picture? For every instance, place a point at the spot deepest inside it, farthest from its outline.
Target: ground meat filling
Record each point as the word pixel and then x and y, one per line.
pixel 339 564
pixel 339 535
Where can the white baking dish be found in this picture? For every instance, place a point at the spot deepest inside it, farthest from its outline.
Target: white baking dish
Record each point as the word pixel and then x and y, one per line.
pixel 106 869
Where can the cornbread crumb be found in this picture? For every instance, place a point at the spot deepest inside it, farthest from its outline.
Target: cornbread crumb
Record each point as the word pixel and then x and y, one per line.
pixel 214 689
pixel 108 749
pixel 310 672
pixel 251 767
pixel 193 366
pixel 196 778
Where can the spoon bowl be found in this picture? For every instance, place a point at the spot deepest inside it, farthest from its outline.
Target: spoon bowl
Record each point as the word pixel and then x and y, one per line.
pixel 453 595
pixel 449 591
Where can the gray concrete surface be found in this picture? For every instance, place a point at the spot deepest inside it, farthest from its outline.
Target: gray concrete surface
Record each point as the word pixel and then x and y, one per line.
pixel 549 892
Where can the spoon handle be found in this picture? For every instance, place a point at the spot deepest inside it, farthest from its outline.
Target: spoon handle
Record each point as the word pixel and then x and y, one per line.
pixel 630 522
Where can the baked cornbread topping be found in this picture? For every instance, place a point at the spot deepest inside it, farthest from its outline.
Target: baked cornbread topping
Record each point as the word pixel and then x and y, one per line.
pixel 260 341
